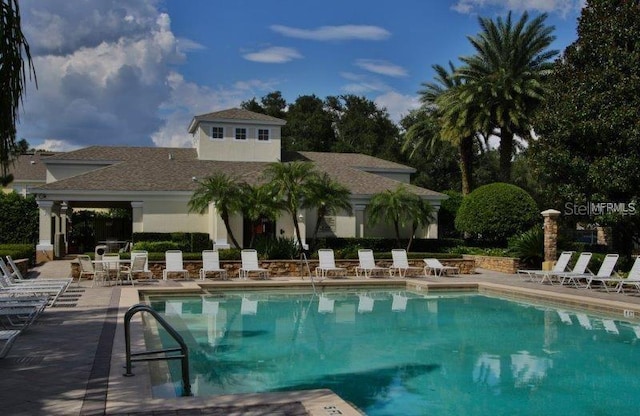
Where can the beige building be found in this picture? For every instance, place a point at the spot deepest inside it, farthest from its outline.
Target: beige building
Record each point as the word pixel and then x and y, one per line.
pixel 157 183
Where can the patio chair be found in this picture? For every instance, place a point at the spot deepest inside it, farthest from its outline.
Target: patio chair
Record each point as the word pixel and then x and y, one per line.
pixel 401 263
pixel 367 264
pixel 173 260
pixel 11 282
pixel 18 316
pixel 18 275
pixel 87 268
pixel 135 253
pixel 633 279
pixel 8 337
pixel 250 265
pixel 136 267
pixel 111 266
pixel 439 269
pixel 559 267
pixel 51 292
pixel 579 269
pixel 327 265
pixel 211 264
pixel 605 273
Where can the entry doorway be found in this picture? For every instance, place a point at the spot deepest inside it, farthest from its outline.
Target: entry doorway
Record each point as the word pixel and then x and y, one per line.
pixel 263 228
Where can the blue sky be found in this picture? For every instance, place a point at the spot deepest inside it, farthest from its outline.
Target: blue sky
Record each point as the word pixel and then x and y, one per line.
pixel 134 72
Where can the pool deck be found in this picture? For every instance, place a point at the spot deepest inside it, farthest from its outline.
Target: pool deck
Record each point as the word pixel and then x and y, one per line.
pixel 69 362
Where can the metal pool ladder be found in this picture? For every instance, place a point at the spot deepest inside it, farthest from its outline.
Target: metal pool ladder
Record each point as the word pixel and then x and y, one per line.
pixel 183 349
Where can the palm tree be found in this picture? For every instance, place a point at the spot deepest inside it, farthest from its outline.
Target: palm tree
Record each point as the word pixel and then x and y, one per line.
pixel 12 81
pixel 226 195
pixel 289 181
pixel 422 215
pixel 505 80
pixel 257 203
pixel 327 196
pixel 397 207
pixel 442 96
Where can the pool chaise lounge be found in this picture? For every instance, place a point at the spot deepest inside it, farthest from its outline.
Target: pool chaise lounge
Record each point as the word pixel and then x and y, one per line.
pixel 439 269
pixel 401 263
pixel 579 269
pixel 327 265
pixel 542 275
pixel 367 265
pixel 249 259
pixel 633 279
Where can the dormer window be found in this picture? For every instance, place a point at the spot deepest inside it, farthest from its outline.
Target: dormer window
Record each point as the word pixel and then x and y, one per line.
pixel 241 133
pixel 217 132
pixel 263 135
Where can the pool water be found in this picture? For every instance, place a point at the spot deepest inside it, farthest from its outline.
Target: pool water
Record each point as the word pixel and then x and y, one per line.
pixel 404 353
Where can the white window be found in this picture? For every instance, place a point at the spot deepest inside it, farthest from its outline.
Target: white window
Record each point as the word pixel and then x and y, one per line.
pixel 241 133
pixel 263 135
pixel 217 132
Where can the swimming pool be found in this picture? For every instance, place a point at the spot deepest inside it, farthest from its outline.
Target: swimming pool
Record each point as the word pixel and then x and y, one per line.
pixel 408 353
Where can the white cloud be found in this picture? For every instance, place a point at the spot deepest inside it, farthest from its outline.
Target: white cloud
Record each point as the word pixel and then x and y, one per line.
pixel 53 145
pixel 397 105
pixel 561 7
pixel 362 84
pixel 344 32
pixel 273 55
pixel 382 67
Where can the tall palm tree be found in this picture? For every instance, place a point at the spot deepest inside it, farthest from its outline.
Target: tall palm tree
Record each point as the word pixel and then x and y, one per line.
pixel 226 195
pixel 289 181
pixel 327 196
pixel 505 80
pixel 397 207
pixel 442 96
pixel 13 48
pixel 258 203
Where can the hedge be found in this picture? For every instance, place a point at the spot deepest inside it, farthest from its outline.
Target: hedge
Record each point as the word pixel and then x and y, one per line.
pixel 18 251
pixel 188 242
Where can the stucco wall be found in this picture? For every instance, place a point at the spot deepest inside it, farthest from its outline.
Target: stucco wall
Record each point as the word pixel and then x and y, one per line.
pixel 171 215
pixel 230 149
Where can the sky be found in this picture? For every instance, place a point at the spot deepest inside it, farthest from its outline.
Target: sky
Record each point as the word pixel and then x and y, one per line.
pixel 135 72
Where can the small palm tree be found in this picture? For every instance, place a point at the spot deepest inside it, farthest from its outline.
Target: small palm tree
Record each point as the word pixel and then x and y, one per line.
pixel 226 195
pixel 397 207
pixel 13 49
pixel 288 182
pixel 327 196
pixel 257 203
pixel 422 215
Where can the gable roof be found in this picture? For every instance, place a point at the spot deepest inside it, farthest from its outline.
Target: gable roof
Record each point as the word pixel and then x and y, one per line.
pixel 235 114
pixel 29 167
pixel 149 169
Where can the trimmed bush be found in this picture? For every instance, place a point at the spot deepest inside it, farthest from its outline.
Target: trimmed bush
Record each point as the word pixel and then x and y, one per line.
pixel 529 246
pixel 18 219
pixel 496 212
pixel 188 242
pixel 18 251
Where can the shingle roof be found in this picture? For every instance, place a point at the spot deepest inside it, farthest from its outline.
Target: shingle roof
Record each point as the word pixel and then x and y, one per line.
pixel 144 169
pixel 29 167
pixel 235 114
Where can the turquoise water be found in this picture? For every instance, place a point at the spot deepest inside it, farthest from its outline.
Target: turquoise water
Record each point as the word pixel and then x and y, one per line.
pixel 403 353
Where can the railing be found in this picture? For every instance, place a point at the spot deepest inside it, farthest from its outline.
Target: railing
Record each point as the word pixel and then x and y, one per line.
pixel 183 349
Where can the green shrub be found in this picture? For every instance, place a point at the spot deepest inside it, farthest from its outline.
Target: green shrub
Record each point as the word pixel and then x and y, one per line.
pixel 18 251
pixel 447 214
pixel 157 246
pixel 279 248
pixel 187 242
pixel 496 212
pixel 529 246
pixel 439 245
pixel 19 219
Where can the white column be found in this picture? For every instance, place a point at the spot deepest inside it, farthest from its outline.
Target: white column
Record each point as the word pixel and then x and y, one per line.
pixel 44 248
pixel 137 216
pixel 358 211
pixel 432 229
pixel 302 226
pixel 219 230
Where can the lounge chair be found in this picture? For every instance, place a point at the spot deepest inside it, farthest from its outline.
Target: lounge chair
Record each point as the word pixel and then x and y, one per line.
pixel 87 268
pixel 327 265
pixel 18 275
pixel 7 276
pixel 51 292
pixel 633 279
pixel 211 264
pixel 173 262
pixel 579 269
pixel 605 273
pixel 559 267
pixel 250 265
pixel 138 266
pixel 439 269
pixel 8 337
pixel 401 263
pixel 367 264
pixel 18 316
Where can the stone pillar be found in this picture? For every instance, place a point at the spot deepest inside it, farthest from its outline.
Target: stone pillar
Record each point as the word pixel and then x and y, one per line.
pixel 44 248
pixel 550 238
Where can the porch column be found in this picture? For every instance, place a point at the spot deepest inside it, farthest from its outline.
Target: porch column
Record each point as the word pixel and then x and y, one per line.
pixel 550 238
pixel 219 235
pixel 432 228
pixel 44 248
pixel 358 211
pixel 302 226
pixel 137 216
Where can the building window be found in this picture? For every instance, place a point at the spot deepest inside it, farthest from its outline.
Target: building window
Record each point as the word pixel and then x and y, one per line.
pixel 241 133
pixel 263 135
pixel 217 132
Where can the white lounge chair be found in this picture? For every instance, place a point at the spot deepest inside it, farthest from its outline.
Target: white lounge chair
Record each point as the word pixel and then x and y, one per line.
pixel 605 273
pixel 138 266
pixel 173 264
pixel 8 277
pixel 51 292
pixel 87 268
pixel 250 265
pixel 439 269
pixel 633 279
pixel 211 264
pixel 18 316
pixel 327 265
pixel 367 264
pixel 8 337
pixel 579 269
pixel 18 275
pixel 559 267
pixel 401 263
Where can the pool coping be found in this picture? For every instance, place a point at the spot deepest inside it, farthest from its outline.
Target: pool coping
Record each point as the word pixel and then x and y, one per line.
pixel 133 394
